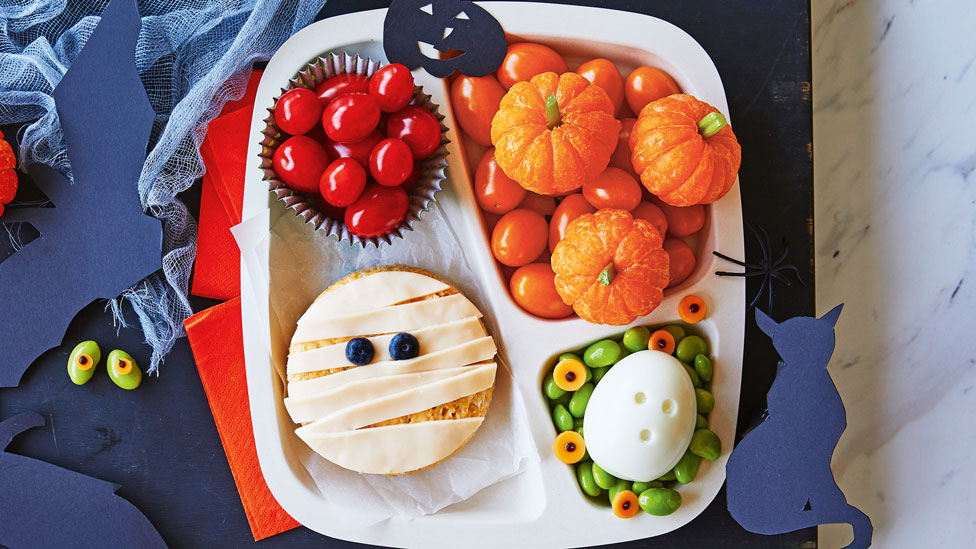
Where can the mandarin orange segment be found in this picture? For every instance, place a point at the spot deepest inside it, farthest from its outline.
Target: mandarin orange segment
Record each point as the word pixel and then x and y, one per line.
pixel 691 309
pixel 569 447
pixel 569 374
pixel 625 504
pixel 661 340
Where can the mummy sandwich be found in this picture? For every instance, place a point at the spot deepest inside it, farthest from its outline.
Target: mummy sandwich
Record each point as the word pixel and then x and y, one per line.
pixel 390 371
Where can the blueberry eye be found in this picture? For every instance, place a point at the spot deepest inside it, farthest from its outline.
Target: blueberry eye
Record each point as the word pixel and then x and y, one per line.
pixel 404 346
pixel 360 351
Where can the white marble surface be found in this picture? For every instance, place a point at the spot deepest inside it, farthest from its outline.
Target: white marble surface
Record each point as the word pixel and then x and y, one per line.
pixel 895 190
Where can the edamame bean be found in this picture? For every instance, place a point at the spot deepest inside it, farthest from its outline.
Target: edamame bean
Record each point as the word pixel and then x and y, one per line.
pixel 564 356
pixel 577 423
pixel 598 374
pixel 551 389
pixel 705 444
pixel 689 347
pixel 659 501
pixel 562 418
pixel 701 422
pixel 695 380
pixel 636 338
pixel 577 405
pixel 667 477
pixel 676 331
pixel 603 479
pixel 602 353
pixel 639 487
pixel 687 468
pixel 623 352
pixel 618 486
pixel 584 475
pixel 704 367
pixel 564 400
pixel 704 400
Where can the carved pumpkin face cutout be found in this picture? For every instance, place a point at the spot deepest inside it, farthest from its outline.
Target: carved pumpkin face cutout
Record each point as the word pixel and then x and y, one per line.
pixel 416 30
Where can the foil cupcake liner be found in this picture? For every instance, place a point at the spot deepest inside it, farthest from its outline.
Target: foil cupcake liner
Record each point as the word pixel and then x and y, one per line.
pixel 422 195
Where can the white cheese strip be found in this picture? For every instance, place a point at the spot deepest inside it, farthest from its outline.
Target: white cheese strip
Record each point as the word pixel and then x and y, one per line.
pixel 308 408
pixel 406 402
pixel 431 339
pixel 459 355
pixel 393 449
pixel 380 289
pixel 399 318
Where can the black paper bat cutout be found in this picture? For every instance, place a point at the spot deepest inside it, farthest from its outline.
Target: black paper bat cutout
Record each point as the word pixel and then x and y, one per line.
pixel 96 241
pixel 42 505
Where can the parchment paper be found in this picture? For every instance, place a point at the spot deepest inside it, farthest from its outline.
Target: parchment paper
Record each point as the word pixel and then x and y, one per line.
pixel 302 264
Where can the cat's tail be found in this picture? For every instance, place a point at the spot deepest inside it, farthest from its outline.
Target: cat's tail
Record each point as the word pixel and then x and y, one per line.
pixel 863 530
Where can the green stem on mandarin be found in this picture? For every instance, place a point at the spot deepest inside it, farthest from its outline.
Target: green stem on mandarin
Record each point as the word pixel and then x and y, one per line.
pixel 607 275
pixel 711 124
pixel 553 118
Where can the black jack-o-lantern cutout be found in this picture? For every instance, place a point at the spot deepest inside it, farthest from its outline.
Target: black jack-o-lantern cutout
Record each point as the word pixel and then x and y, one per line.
pixel 415 30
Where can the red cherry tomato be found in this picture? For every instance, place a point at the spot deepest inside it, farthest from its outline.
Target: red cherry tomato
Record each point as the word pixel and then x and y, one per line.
pixel 377 211
pixel 475 101
pixel 621 155
pixel 614 188
pixel 542 205
pixel 341 84
pixel 342 182
pixel 648 84
pixel 525 60
pixel 569 209
pixel 299 162
pixel 519 237
pixel 682 260
pixel 298 111
pixel 682 221
pixel 651 213
pixel 494 190
pixel 351 117
pixel 391 162
pixel 334 212
pixel 392 87
pixel 418 128
pixel 359 150
pixel 605 74
pixel 412 179
pixel 533 287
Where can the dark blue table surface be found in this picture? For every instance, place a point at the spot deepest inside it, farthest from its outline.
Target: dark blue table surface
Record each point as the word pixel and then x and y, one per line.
pixel 160 443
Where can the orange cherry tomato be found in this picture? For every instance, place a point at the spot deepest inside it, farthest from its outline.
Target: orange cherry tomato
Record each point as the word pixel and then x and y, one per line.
pixel 490 221
pixel 475 100
pixel 533 287
pixel 543 205
pixel 519 237
pixel 525 60
pixel 493 189
pixel 569 209
pixel 649 212
pixel 605 74
pixel 683 221
pixel 682 260
pixel 647 84
pixel 621 155
pixel 614 188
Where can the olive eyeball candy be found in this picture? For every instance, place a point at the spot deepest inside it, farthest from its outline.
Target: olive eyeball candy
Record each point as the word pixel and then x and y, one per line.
pixel 123 370
pixel 82 361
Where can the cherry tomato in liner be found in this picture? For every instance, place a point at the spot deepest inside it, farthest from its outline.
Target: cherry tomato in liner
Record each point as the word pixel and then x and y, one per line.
pixel 351 117
pixel 299 163
pixel 297 111
pixel 418 128
pixel 392 87
pixel 378 211
pixel 342 182
pixel 341 84
pixel 359 150
pixel 391 162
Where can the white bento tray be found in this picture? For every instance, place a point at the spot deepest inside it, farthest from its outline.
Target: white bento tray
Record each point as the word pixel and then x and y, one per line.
pixel 542 506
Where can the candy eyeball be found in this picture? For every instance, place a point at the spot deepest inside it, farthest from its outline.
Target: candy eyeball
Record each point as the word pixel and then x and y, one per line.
pixel 360 351
pixel 404 346
pixel 123 370
pixel 82 361
pixel 641 417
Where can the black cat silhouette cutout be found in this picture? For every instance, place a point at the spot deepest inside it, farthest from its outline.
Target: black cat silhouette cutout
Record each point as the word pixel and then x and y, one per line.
pixel 96 242
pixel 779 477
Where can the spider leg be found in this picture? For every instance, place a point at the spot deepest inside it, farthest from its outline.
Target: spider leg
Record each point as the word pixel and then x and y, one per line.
pixel 763 240
pixel 795 272
pixel 780 277
pixel 746 274
pixel 736 261
pixel 781 258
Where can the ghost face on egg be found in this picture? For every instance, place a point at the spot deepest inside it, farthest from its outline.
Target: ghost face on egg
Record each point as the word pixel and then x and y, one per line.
pixel 640 418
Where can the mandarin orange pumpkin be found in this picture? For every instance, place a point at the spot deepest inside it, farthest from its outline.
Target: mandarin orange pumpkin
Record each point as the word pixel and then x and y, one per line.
pixel 554 132
pixel 684 151
pixel 611 267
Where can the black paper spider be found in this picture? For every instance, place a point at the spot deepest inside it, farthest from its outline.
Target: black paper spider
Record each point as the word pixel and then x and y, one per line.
pixel 767 269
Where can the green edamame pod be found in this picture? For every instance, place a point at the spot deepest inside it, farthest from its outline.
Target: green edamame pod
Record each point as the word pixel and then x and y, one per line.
pixel 598 374
pixel 659 501
pixel 82 361
pixel 564 356
pixel 695 380
pixel 123 370
pixel 667 477
pixel 676 331
pixel 636 338
pixel 577 405
pixel 577 423
pixel 603 479
pixel 701 422
pixel 705 444
pixel 639 487
pixel 623 353
pixel 687 468
pixel 689 347
pixel 705 401
pixel 602 353
pixel 562 418
pixel 618 486
pixel 551 389
pixel 584 475
pixel 564 400
pixel 704 367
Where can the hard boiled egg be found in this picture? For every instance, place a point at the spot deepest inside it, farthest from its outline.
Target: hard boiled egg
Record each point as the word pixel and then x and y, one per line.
pixel 641 416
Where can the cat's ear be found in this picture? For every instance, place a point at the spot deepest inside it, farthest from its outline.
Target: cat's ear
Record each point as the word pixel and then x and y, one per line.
pixel 766 324
pixel 14 425
pixel 833 315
